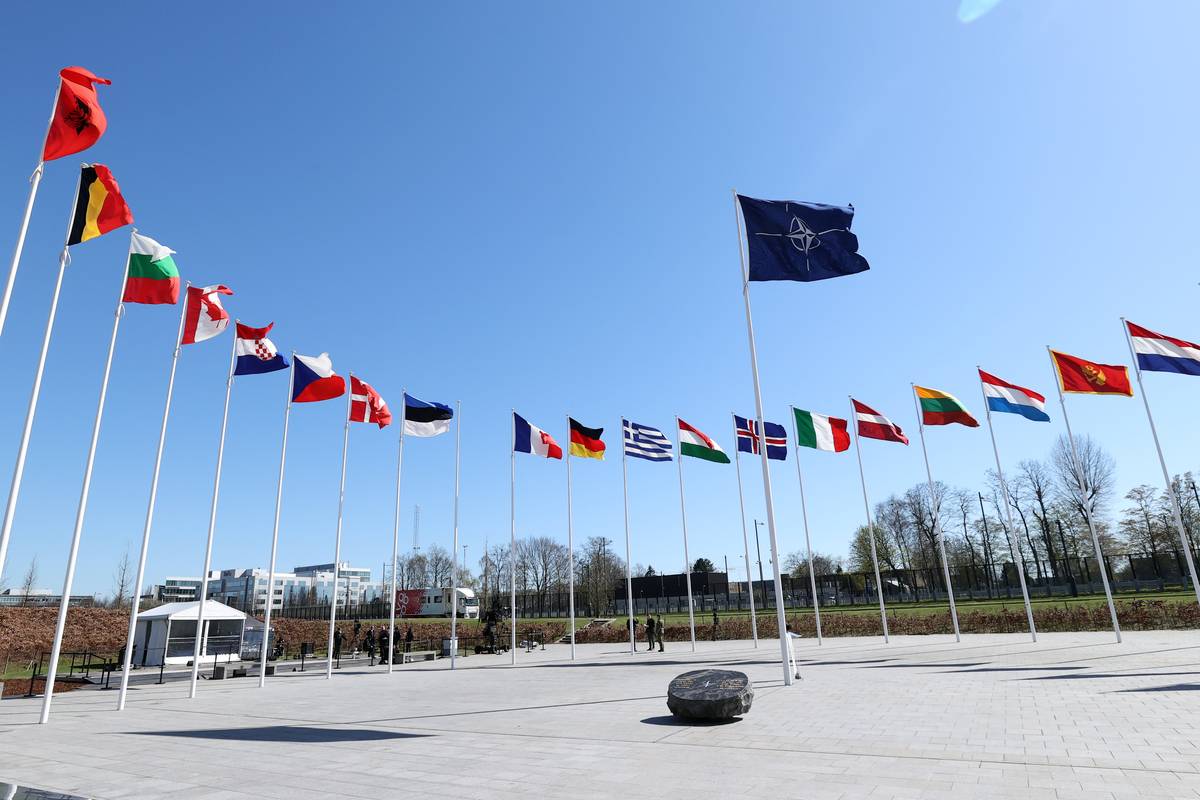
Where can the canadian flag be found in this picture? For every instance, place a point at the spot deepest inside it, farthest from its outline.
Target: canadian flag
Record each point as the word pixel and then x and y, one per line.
pixel 366 405
pixel 205 316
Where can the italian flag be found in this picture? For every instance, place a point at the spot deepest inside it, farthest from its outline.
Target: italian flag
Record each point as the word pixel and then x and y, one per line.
pixel 153 277
pixel 696 444
pixel 821 432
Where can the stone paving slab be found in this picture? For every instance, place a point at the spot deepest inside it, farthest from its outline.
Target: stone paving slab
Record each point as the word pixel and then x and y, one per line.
pixel 995 716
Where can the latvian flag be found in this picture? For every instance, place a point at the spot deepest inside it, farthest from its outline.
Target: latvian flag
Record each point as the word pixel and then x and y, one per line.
pixel 1008 398
pixel 256 354
pixel 873 425
pixel 533 440
pixel 1158 353
pixel 747 437
pixel 366 405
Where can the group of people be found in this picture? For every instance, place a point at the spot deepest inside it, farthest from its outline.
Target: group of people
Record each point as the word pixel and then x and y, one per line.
pixel 654 631
pixel 375 639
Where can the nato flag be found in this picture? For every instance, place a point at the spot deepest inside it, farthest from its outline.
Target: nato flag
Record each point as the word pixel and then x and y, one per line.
pixel 790 241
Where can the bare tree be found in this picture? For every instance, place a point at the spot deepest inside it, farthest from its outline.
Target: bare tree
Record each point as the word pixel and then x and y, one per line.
pixel 29 582
pixel 860 551
pixel 1086 484
pixel 122 578
pixel 1142 522
pixel 439 563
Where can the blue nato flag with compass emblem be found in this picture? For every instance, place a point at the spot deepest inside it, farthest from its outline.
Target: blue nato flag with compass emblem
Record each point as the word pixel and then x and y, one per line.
pixel 790 241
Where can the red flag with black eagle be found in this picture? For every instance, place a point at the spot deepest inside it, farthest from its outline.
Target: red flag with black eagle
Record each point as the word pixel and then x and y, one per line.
pixel 78 120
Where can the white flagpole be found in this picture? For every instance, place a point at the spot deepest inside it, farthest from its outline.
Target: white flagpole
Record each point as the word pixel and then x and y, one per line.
pixel 212 522
pixel 35 180
pixel 1019 557
pixel 60 624
pixel 812 574
pixel 935 509
pixel 1087 512
pixel 780 611
pixel 687 564
pixel 14 490
pixel 870 527
pixel 287 414
pixel 512 542
pixel 141 568
pixel 737 465
pixel 570 544
pixel 454 548
pixel 628 552
pixel 337 540
pixel 396 534
pixel 1183 539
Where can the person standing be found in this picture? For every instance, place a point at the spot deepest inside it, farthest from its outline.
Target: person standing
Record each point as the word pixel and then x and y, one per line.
pixel 337 645
pixel 660 627
pixel 792 652
pixel 408 639
pixel 716 625
pixel 649 632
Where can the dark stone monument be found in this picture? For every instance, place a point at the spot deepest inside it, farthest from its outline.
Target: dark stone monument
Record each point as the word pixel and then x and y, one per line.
pixel 710 694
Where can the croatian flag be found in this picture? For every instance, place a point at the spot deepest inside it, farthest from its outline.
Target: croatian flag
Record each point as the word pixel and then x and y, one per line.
pixel 256 354
pixel 1008 398
pixel 532 439
pixel 1158 353
pixel 315 379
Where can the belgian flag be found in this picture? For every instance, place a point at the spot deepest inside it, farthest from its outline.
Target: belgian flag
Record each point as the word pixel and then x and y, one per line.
pixel 585 442
pixel 99 207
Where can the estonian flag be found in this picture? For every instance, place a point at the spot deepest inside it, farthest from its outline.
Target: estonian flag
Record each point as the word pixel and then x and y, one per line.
pixel 425 419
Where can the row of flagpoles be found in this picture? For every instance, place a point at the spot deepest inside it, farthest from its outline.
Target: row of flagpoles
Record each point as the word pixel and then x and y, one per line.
pixel 778 240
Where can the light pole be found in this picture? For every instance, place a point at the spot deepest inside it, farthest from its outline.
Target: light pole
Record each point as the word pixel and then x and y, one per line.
pixel 758 547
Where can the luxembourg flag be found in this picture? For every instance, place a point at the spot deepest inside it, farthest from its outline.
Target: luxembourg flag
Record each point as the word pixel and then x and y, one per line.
pixel 1158 353
pixel 532 439
pixel 256 354
pixel 315 379
pixel 1008 398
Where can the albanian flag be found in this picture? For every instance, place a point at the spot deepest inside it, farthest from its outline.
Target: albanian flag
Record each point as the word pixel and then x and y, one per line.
pixel 78 120
pixel 99 206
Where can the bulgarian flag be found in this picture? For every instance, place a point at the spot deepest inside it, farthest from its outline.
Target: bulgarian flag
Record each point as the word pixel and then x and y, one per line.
pixel 821 432
pixel 153 276
pixel 696 444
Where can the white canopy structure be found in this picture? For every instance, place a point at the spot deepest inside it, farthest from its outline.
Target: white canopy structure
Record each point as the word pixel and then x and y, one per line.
pixel 167 633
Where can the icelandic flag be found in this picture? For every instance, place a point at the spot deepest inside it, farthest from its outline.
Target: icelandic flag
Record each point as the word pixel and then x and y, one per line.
pixel 1008 398
pixel 532 439
pixel 314 379
pixel 789 241
pixel 1158 353
pixel 747 437
pixel 256 354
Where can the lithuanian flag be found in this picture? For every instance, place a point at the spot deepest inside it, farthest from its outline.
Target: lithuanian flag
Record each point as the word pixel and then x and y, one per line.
pixel 99 207
pixel 585 442
pixel 942 408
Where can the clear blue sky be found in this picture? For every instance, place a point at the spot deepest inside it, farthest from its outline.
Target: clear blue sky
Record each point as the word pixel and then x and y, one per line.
pixel 529 205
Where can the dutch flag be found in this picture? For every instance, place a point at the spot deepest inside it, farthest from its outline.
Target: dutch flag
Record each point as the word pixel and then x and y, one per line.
pixel 1008 398
pixel 1158 353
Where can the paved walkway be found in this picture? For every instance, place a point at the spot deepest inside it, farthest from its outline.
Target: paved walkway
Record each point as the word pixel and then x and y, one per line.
pixel 993 717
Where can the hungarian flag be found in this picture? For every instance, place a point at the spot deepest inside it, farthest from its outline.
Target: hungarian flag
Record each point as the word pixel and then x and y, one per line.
pixel 78 120
pixel 821 432
pixel 585 442
pixel 205 316
pixel 153 277
pixel 1077 376
pixel 942 408
pixel 99 206
pixel 696 444
pixel 533 440
pixel 314 379
pixel 873 425
pixel 366 405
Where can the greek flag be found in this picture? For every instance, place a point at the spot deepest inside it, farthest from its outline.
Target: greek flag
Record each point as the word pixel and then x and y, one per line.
pixel 642 441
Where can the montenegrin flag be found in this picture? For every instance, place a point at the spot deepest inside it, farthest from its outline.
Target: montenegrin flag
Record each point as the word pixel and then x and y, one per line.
pixel 1079 376
pixel 153 277
pixel 78 120
pixel 533 440
pixel 314 379
pixel 821 432
pixel 943 408
pixel 205 316
pixel 1008 398
pixel 694 443
pixel 99 207
pixel 256 354
pixel 1159 353
pixel 585 441
pixel 873 425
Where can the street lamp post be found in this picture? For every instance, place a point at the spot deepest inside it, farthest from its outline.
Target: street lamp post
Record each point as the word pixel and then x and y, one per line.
pixel 757 546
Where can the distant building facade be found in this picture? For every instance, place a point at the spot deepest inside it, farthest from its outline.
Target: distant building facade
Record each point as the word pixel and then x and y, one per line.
pixel 41 598
pixel 246 589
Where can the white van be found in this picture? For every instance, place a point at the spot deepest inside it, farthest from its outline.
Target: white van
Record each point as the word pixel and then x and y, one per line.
pixel 436 603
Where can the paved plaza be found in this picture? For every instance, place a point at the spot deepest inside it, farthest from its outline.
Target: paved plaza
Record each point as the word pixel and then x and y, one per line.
pixel 996 716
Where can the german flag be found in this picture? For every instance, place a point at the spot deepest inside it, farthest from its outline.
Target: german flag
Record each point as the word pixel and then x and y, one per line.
pixel 585 442
pixel 99 208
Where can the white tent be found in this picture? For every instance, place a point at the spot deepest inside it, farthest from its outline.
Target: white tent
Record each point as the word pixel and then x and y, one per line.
pixel 168 633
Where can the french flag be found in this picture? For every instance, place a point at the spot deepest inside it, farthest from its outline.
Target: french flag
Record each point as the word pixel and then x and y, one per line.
pixel 1008 398
pixel 314 379
pixel 1158 353
pixel 532 439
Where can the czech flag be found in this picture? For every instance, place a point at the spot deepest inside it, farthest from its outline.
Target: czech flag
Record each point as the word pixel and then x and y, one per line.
pixel 532 439
pixel 315 379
